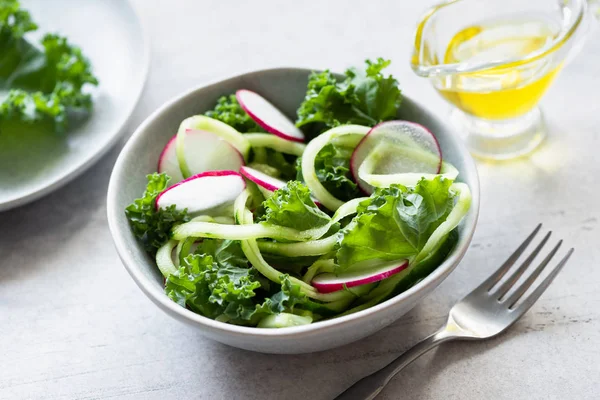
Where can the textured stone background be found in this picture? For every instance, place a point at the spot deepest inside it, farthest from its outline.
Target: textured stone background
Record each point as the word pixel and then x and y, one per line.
pixel 74 325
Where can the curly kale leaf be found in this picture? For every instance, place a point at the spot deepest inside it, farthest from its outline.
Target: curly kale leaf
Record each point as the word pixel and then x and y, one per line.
pixel 228 110
pixel 293 207
pixel 42 84
pixel 228 293
pixel 150 225
pixel 365 97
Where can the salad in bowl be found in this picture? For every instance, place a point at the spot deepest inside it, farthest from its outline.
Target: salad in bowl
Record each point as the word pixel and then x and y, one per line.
pixel 258 220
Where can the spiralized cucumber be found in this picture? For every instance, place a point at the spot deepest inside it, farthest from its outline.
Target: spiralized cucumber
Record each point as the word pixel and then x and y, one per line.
pixel 203 218
pixel 313 247
pixel 241 232
pixel 184 248
pixel 224 219
pixel 164 258
pixel 199 228
pixel 250 248
pixel 353 134
pixel 300 249
pixel 463 203
pixel 271 141
pixel 365 171
pixel 318 266
pixel 252 252
pixel 347 209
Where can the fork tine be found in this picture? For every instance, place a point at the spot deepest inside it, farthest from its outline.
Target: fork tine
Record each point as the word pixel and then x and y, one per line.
pixel 532 277
pixel 489 283
pixel 532 298
pixel 514 277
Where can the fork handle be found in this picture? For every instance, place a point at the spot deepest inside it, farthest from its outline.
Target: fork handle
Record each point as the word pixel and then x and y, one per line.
pixel 369 387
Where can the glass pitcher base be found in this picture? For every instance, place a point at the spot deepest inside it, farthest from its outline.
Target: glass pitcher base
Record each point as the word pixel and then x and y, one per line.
pixel 500 139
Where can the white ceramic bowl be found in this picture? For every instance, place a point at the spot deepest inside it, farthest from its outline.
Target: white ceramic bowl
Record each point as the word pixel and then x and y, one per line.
pixel 285 87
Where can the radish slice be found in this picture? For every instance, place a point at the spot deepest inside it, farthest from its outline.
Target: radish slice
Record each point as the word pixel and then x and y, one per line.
pixel 399 147
pixel 204 192
pixel 263 180
pixel 328 282
pixel 167 162
pixel 268 116
pixel 203 151
pixel 266 183
pixel 221 129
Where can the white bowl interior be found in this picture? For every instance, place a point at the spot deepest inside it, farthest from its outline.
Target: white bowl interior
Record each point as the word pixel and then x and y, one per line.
pixel 284 87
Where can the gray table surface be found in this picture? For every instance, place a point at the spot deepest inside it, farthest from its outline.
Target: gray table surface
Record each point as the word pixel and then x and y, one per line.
pixel 74 325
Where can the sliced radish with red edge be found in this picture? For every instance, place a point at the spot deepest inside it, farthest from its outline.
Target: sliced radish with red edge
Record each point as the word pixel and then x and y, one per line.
pixel 328 282
pixel 168 163
pixel 203 151
pixel 261 179
pixel 417 151
pixel 266 183
pixel 267 116
pixel 204 192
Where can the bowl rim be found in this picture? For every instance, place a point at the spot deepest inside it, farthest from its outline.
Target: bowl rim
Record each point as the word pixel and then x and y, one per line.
pixel 160 299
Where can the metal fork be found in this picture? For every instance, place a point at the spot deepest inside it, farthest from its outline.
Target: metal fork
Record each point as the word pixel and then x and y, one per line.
pixel 485 312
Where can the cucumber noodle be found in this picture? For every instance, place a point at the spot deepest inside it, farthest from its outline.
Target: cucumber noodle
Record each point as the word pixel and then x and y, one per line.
pixel 252 252
pixel 353 135
pixel 314 247
pixel 261 140
pixel 365 171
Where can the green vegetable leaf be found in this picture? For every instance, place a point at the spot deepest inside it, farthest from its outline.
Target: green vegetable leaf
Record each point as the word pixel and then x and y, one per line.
pixel 395 223
pixel 211 290
pixel 332 166
pixel 43 84
pixel 285 300
pixel 422 269
pixel 228 110
pixel 365 97
pixel 324 105
pixel 14 21
pixel 151 226
pixel 293 265
pixel 374 94
pixel 226 253
pixel 424 209
pixel 292 207
pixel 228 293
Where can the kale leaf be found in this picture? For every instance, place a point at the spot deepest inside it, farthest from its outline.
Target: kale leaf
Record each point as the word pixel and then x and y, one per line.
pixel 365 97
pixel 395 222
pixel 228 293
pixel 293 207
pixel 151 226
pixel 228 110
pixel 43 84
pixel 332 166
